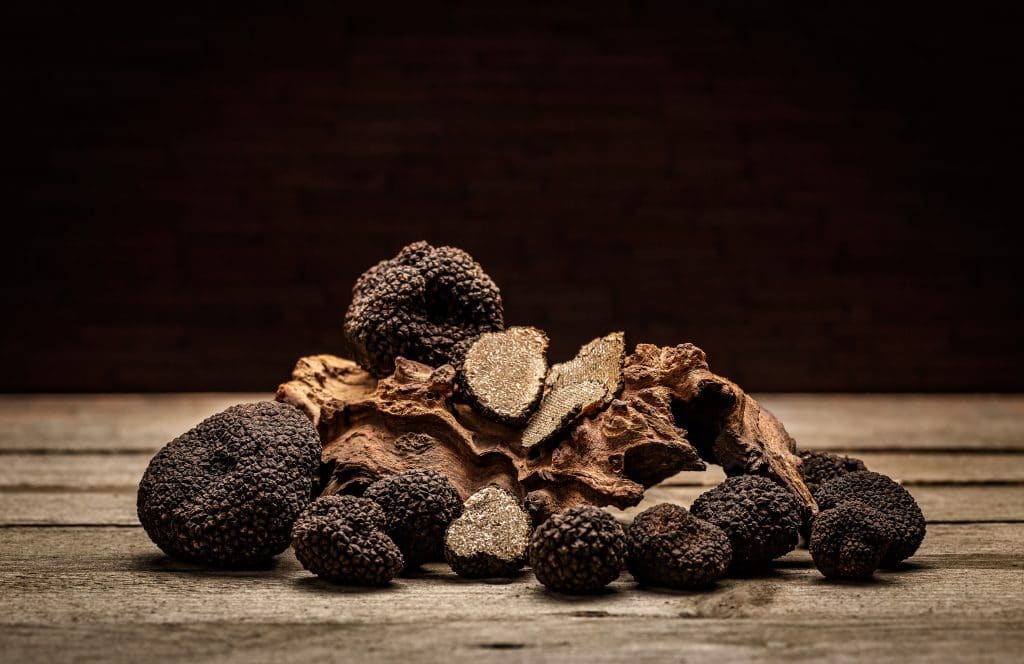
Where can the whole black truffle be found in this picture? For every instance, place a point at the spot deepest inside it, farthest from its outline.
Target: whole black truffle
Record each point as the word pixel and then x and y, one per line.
pixel 886 496
pixel 578 550
pixel 491 537
pixel 227 492
pixel 420 305
pixel 419 506
pixel 761 518
pixel 849 541
pixel 820 467
pixel 341 539
pixel 670 547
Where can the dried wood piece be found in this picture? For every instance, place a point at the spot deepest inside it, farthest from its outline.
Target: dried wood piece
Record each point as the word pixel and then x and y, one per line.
pixel 318 381
pixel 503 373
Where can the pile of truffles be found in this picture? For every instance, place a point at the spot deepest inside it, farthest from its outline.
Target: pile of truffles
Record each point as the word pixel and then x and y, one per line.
pixel 449 436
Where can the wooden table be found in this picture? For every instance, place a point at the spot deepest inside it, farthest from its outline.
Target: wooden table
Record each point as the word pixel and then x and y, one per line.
pixel 80 580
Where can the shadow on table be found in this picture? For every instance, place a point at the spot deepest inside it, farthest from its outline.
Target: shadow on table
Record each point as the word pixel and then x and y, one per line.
pixel 159 562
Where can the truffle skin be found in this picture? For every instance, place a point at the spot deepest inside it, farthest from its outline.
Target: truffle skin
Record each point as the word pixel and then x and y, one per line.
pixel 420 305
pixel 227 492
pixel 820 467
pixel 491 537
pixel 419 506
pixel 670 547
pixel 341 539
pixel 581 549
pixel 886 496
pixel 849 541
pixel 760 517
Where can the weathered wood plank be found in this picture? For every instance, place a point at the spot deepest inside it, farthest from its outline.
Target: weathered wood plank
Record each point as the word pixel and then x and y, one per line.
pixel 841 422
pixel 585 637
pixel 59 576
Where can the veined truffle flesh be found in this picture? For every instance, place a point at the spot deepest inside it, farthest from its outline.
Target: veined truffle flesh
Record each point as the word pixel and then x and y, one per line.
pixel 502 373
pixel 491 537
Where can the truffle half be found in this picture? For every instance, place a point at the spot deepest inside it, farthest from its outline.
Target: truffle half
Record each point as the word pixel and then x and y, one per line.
pixel 227 492
pixel 850 540
pixel 502 373
pixel 341 539
pixel 581 549
pixel 491 537
pixel 670 547
pixel 419 505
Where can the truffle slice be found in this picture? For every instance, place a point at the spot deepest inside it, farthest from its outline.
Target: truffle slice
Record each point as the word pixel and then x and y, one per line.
pixel 226 492
pixel 886 496
pixel 670 547
pixel 581 386
pixel 491 537
pixel 761 518
pixel 341 539
pixel 850 540
pixel 579 550
pixel 419 506
pixel 503 373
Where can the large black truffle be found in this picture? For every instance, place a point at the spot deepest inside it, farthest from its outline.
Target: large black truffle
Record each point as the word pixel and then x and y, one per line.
pixel 491 537
pixel 670 547
pixel 849 541
pixel 820 467
pixel 761 518
pixel 420 305
pixel 886 496
pixel 581 549
pixel 419 506
pixel 341 539
pixel 227 492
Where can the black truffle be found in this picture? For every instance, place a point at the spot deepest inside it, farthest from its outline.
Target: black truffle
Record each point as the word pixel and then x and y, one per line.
pixel 420 305
pixel 491 537
pixel 761 518
pixel 886 496
pixel 820 467
pixel 670 547
pixel 341 539
pixel 227 492
pixel 581 549
pixel 502 373
pixel 419 506
pixel 849 541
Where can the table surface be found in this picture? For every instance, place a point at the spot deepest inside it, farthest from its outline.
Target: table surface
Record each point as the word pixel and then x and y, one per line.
pixel 80 580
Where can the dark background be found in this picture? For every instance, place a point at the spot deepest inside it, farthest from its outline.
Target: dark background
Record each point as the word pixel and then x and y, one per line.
pixel 823 199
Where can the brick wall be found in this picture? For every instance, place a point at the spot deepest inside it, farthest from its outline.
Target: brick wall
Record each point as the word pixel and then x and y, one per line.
pixel 815 198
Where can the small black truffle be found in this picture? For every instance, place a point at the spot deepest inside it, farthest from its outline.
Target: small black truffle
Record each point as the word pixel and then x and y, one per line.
pixel 420 305
pixel 341 539
pixel 502 373
pixel 227 492
pixel 761 518
pixel 820 467
pixel 849 541
pixel 578 550
pixel 419 506
pixel 886 496
pixel 491 537
pixel 670 547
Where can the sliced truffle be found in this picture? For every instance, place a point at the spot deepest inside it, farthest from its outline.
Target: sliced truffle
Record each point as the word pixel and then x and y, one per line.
pixel 491 537
pixel 579 550
pixel 761 519
pixel 850 540
pixel 886 496
pixel 419 506
pixel 581 386
pixel 820 467
pixel 503 373
pixel 420 305
pixel 670 547
pixel 227 492
pixel 341 539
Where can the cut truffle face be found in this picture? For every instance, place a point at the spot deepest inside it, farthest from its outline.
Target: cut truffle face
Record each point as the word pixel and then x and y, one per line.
pixel 670 547
pixel 227 492
pixel 579 550
pixel 491 537
pixel 820 467
pixel 503 373
pixel 341 539
pixel 420 305
pixel 419 506
pixel 761 519
pixel 886 496
pixel 578 387
pixel 850 540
